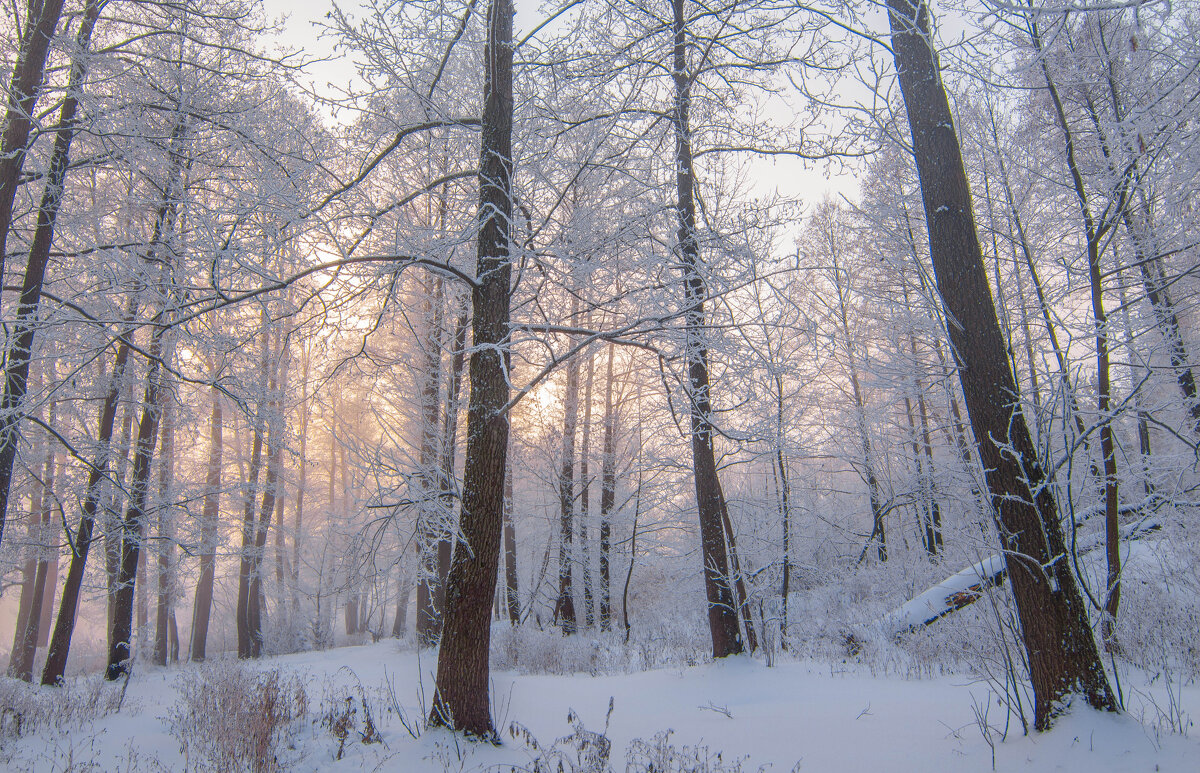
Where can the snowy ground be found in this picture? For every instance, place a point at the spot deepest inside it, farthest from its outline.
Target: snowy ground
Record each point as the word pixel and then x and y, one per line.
pixel 817 716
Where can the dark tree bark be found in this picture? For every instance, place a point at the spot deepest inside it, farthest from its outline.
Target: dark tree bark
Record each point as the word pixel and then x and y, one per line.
pixel 64 627
pixel 1062 654
pixel 461 698
pixel 29 629
pixel 785 514
pixel 710 500
pixel 564 608
pixel 210 520
pixel 275 441
pixel 23 92
pixel 1094 233
pixel 132 526
pixel 249 499
pixel 24 333
pixel 608 493
pixel 585 485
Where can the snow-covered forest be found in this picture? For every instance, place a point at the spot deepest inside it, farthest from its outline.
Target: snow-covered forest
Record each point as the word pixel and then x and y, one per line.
pixel 671 386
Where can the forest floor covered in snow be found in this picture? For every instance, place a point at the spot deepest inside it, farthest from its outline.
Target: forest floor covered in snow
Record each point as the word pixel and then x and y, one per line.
pixel 739 715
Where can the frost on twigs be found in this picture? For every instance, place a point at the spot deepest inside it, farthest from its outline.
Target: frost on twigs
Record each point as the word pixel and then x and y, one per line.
pixel 583 751
pixel 230 717
pixel 26 709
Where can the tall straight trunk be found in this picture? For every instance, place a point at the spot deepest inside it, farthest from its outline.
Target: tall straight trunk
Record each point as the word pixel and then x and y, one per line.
pixel 112 511
pixel 23 655
pixel 1094 233
pixel 445 545
pixel 35 538
pixel 431 526
pixel 24 333
pixel 249 500
pixel 400 623
pixel 1062 655
pixel 275 442
pixel 302 485
pixel 933 514
pixel 461 696
pixel 585 485
pixel 24 89
pixel 878 527
pixel 935 510
pixel 166 539
pixel 210 521
pixel 28 574
pixel 564 608
pixel 1139 225
pixel 608 493
pixel 710 500
pixel 64 627
pixel 133 526
pixel 512 600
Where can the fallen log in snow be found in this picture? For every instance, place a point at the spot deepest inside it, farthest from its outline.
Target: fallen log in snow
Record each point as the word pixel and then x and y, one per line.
pixel 968 586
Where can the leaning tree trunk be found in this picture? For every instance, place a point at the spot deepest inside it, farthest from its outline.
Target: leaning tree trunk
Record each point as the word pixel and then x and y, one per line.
pixel 710 500
pixel 23 92
pixel 64 627
pixel 16 371
pixel 461 698
pixel 1062 654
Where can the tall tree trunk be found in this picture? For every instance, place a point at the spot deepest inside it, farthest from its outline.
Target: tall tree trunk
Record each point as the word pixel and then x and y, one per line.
pixel 585 485
pixel 163 607
pixel 23 91
pixel 21 662
pixel 1062 655
pixel 302 485
pixel 1094 233
pixel 608 493
pixel 512 600
pixel 878 527
pixel 710 500
pixel 64 627
pixel 249 500
pixel 564 608
pixel 132 526
pixel 431 526
pixel 275 441
pixel 210 521
pixel 447 479
pixel 461 698
pixel 16 371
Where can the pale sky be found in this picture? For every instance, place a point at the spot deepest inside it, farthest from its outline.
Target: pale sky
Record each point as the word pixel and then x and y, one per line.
pixel 788 176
